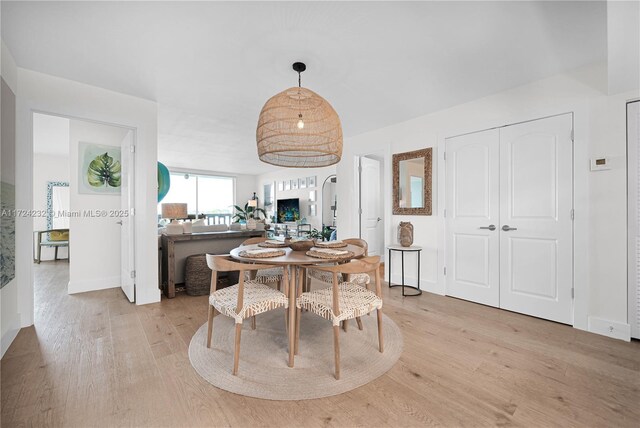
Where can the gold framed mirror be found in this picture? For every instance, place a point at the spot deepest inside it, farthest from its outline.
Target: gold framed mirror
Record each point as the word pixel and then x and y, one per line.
pixel 412 182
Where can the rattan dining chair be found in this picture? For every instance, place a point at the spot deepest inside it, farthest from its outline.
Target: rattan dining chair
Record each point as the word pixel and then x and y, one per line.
pixel 244 300
pixel 268 275
pixel 360 278
pixel 344 300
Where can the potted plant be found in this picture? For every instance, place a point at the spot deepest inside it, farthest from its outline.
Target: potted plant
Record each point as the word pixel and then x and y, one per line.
pixel 326 233
pixel 250 215
pixel 315 234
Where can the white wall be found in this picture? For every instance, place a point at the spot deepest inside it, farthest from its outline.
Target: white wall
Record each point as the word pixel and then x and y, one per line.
pixel 600 198
pixel 303 194
pixel 245 186
pixel 623 45
pixel 48 94
pixel 94 241
pixel 46 168
pixel 10 317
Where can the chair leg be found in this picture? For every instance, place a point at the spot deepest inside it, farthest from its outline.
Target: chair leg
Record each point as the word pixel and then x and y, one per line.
pixel 253 322
pixel 286 320
pixel 380 342
pixel 55 257
pixel 236 353
pixel 298 315
pixel 212 311
pixel 359 321
pixel 344 325
pixel 336 349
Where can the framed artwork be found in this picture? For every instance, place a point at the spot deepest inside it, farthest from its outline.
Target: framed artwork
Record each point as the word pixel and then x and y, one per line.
pixel 312 210
pixel 294 184
pixel 100 169
pixel 312 195
pixel 303 183
pixel 287 184
pixel 280 186
pixel 311 181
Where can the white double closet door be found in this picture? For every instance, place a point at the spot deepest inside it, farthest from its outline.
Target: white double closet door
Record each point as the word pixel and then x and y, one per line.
pixel 509 226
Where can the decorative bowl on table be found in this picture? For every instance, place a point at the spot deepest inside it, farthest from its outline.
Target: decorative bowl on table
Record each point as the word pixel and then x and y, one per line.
pixel 301 244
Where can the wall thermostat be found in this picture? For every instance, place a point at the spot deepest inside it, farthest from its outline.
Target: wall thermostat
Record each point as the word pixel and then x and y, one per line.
pixel 600 164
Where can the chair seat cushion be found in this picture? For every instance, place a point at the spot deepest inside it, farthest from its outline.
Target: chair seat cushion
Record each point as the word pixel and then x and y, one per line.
pixel 267 275
pixel 258 298
pixel 354 301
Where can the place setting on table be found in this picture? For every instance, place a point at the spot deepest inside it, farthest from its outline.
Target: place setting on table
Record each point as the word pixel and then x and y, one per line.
pixel 298 355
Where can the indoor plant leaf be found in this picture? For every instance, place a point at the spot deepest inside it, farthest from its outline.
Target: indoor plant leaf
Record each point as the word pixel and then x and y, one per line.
pixel 104 171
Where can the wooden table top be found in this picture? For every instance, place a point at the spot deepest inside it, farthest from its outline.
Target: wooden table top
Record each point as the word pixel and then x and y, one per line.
pixel 293 257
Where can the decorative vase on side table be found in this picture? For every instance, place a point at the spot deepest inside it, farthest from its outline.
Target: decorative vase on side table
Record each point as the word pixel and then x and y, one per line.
pixel 405 233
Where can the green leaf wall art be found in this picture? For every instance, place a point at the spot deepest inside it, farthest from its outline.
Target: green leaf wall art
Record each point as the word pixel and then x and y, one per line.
pixel 104 171
pixel 100 168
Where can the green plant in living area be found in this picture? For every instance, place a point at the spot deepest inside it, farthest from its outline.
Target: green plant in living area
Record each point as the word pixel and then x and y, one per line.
pixel 247 213
pixel 315 234
pixel 326 233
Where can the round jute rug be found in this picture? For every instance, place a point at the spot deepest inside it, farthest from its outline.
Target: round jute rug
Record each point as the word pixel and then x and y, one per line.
pixel 263 370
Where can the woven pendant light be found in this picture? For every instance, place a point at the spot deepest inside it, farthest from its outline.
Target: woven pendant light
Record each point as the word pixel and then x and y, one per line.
pixel 297 128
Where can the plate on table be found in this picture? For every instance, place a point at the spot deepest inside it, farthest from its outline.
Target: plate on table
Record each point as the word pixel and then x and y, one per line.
pixel 331 244
pixel 262 253
pixel 329 253
pixel 272 243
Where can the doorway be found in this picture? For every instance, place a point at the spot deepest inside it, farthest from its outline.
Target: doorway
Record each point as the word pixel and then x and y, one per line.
pixel 509 217
pixel 83 187
pixel 330 207
pixel 370 204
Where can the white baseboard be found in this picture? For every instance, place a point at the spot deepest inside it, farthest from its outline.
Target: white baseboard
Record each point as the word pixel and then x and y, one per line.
pixel 425 284
pixel 8 337
pixel 609 328
pixel 93 284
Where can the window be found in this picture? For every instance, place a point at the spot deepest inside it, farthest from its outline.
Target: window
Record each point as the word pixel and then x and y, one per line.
pixel 203 194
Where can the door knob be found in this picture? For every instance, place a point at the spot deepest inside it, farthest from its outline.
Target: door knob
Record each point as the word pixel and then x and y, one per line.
pixel 119 222
pixel 378 219
pixel 491 227
pixel 506 228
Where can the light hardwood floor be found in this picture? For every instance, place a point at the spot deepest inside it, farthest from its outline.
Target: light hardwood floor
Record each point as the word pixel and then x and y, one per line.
pixel 93 359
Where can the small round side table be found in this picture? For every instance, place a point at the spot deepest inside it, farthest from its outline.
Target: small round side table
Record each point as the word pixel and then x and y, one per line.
pixel 402 250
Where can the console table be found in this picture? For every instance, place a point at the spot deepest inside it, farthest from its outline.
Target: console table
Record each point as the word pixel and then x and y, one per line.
pixel 176 248
pixel 39 243
pixel 402 250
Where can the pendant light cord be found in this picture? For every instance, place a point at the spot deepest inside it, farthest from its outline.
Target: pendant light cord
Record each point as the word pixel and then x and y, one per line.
pixel 299 79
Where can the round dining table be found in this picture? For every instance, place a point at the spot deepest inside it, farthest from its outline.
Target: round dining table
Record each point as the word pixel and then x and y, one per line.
pixel 295 265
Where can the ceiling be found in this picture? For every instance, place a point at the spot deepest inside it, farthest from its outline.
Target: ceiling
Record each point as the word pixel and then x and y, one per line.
pixel 212 65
